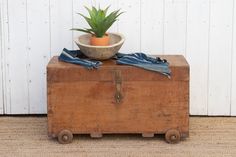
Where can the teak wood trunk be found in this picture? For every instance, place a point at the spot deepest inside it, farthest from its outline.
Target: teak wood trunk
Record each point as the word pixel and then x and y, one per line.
pixel 117 99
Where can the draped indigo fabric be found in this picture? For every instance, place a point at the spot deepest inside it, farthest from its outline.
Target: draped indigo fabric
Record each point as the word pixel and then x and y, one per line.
pixel 75 57
pixel 140 60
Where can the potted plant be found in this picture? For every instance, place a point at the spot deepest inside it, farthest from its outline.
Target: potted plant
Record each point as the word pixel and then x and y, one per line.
pixel 99 22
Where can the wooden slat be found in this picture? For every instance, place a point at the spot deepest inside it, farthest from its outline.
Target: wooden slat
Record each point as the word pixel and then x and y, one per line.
pixel 5 44
pixel 220 49
pixel 1 60
pixel 197 54
pixel 233 90
pixel 61 23
pixel 175 26
pixel 38 18
pixel 129 25
pixel 17 58
pixel 152 13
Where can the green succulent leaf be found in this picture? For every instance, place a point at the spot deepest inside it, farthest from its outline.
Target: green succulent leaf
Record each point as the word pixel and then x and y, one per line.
pixel 105 10
pixel 99 21
pixel 83 30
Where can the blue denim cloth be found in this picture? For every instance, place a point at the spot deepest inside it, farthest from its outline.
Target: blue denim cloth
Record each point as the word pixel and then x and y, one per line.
pixel 76 57
pixel 140 60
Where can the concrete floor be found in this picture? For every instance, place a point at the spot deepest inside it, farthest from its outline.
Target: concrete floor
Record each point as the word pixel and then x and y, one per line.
pixel 27 137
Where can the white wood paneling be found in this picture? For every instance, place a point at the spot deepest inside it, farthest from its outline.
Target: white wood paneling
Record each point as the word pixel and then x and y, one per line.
pixel 61 22
pixel 152 26
pixel 17 58
pixel 197 54
pixel 1 59
pixel 129 25
pixel 202 30
pixel 1 77
pixel 5 42
pixel 220 48
pixel 233 90
pixel 38 26
pixel 175 13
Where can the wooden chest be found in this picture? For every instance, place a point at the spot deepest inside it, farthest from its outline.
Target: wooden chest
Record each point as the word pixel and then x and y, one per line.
pixel 117 99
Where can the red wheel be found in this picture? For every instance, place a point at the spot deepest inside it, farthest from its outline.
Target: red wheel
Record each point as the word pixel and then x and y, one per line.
pixel 65 137
pixel 172 136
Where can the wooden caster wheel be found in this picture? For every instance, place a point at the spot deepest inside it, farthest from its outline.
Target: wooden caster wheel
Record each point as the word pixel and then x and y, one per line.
pixel 172 136
pixel 65 137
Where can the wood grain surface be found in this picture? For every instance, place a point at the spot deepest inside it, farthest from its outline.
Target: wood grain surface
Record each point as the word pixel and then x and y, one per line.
pixel 83 101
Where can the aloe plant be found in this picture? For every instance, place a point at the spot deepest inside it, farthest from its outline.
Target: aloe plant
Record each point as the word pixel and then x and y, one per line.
pixel 99 21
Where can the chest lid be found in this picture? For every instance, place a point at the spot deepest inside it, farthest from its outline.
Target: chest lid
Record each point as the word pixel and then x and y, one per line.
pixel 58 71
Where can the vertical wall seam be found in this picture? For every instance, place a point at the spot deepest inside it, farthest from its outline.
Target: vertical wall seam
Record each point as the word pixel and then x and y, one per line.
pixel 208 56
pixel 7 88
pixel 2 16
pixel 9 44
pixel 2 69
pixel 232 59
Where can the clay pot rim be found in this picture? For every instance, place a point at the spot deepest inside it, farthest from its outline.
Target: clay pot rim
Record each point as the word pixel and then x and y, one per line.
pixel 109 46
pixel 105 35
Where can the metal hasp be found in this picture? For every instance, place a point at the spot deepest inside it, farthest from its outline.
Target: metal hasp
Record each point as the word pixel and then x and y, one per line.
pixel 118 83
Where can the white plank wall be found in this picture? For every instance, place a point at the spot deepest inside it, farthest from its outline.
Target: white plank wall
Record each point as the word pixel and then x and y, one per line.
pixel 38 56
pixel 175 15
pixel 204 31
pixel 1 61
pixel 17 76
pixel 1 79
pixel 151 26
pixel 220 50
pixel 197 54
pixel 129 25
pixel 4 47
pixel 61 15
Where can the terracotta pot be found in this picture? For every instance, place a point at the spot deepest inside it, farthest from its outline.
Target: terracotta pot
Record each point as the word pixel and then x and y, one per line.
pixel 102 41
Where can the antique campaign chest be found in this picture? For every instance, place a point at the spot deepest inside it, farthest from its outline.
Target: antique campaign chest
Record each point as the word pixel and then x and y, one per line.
pixel 117 99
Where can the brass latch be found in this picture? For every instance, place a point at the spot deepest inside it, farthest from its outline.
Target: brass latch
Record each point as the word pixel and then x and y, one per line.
pixel 118 83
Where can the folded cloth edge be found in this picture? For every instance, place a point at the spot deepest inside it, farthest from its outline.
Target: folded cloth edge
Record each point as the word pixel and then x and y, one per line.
pixel 137 59
pixel 71 57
